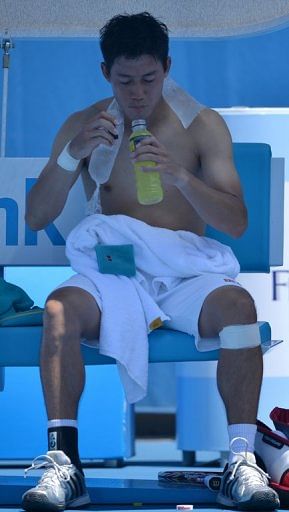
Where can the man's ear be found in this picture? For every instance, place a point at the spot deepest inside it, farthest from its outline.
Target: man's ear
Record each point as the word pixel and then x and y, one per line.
pixel 168 66
pixel 105 71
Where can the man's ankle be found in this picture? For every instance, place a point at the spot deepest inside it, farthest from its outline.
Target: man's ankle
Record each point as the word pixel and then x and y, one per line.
pixel 65 438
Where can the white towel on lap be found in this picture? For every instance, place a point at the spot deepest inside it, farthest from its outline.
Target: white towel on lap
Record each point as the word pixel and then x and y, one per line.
pixel 128 309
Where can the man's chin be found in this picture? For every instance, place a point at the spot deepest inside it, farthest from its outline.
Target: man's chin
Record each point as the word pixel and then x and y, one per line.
pixel 139 113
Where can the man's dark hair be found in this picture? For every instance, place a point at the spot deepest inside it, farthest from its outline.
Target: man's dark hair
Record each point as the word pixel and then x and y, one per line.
pixel 133 35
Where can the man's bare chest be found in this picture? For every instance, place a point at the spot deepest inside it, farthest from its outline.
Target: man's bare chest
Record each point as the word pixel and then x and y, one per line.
pixel 180 150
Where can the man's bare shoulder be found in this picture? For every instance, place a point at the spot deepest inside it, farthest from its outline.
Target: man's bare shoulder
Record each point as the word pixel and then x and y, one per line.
pixel 208 119
pixel 209 129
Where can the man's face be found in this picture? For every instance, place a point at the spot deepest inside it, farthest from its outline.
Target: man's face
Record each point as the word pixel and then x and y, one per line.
pixel 137 85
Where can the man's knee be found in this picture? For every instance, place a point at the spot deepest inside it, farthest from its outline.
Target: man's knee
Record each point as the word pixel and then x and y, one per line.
pixel 73 312
pixel 237 302
pixel 60 313
pixel 228 305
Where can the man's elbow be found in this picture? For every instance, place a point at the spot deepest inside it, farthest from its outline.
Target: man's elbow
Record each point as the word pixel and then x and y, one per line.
pixel 32 222
pixel 240 227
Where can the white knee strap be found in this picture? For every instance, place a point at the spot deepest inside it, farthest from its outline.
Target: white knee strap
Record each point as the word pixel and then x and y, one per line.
pixel 240 336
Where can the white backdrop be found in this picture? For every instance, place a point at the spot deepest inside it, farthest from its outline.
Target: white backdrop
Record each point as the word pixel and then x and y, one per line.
pixel 186 18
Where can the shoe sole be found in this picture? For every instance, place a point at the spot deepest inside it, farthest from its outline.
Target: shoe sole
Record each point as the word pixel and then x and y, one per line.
pixel 283 494
pixel 79 502
pixel 260 500
pixel 36 502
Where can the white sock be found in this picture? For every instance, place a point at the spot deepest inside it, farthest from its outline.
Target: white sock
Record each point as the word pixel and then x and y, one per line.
pixel 61 423
pixel 241 439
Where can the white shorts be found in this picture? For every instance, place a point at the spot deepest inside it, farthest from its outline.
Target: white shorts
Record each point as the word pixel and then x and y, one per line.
pixel 183 304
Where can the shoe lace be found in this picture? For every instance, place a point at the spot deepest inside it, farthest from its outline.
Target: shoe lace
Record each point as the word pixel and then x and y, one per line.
pixel 254 477
pixel 54 473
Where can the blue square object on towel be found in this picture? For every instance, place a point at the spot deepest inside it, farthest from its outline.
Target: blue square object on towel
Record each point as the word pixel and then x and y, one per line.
pixel 116 259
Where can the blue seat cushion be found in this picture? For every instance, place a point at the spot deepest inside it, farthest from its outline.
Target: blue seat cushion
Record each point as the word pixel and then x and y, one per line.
pixel 20 346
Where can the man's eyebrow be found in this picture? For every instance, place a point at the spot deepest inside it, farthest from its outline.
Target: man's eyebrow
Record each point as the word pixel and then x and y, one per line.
pixel 125 75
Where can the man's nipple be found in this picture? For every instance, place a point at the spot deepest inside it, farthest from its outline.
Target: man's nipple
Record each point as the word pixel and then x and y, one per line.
pixel 107 187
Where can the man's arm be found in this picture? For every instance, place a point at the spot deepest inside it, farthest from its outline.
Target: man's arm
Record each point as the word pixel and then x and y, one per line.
pixel 48 196
pixel 217 196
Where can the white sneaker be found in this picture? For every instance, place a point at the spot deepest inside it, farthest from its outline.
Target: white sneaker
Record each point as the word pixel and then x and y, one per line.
pixel 61 486
pixel 245 486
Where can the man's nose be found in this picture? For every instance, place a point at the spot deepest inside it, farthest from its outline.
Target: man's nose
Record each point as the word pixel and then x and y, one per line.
pixel 137 91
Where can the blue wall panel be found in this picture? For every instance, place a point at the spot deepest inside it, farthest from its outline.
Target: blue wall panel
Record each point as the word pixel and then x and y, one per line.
pixel 51 78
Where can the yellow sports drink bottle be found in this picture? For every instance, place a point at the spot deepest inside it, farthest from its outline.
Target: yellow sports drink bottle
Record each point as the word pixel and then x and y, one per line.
pixel 148 184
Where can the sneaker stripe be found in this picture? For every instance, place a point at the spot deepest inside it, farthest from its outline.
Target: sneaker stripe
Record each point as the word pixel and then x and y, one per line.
pixel 74 490
pixel 225 484
pixel 231 487
pixel 71 488
pixel 77 483
pixel 228 487
pixel 81 481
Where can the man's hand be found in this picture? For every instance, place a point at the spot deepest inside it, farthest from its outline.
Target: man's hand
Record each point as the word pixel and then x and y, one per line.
pixel 152 150
pixel 99 130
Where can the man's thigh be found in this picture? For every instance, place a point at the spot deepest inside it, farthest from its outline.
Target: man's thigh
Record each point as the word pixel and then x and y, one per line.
pixel 185 302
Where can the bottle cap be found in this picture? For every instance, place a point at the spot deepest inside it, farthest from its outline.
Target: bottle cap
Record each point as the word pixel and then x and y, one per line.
pixel 138 122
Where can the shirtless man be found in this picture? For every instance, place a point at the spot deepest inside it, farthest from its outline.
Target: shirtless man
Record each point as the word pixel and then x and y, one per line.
pixel 201 186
